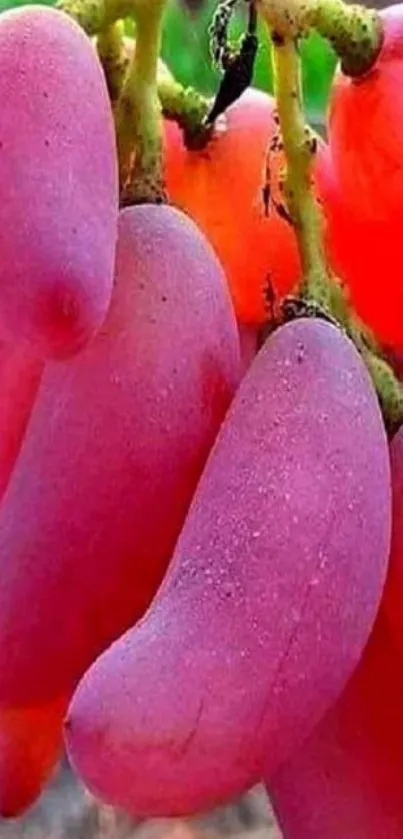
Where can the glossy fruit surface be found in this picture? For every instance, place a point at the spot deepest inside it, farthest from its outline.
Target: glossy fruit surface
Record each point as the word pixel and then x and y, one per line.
pixel 30 745
pixel 346 781
pixel 116 444
pixel 270 596
pixel 221 189
pixel 20 375
pixel 365 134
pixel 58 182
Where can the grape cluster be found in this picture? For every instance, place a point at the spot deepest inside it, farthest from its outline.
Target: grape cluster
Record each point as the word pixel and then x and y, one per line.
pixel 201 529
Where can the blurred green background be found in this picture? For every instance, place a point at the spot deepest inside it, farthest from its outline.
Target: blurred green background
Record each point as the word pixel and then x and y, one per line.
pixel 185 50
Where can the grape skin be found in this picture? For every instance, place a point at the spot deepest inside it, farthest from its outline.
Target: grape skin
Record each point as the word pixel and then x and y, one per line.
pixel 20 375
pixel 221 187
pixel 346 780
pixel 115 447
pixel 269 598
pixel 58 182
pixel 30 745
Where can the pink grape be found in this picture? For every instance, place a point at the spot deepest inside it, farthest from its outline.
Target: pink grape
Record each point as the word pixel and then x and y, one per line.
pixel 115 447
pixel 58 183
pixel 270 596
pixel 20 374
pixel 346 781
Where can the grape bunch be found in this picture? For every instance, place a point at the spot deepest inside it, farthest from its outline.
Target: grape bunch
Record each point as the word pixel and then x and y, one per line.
pixel 201 436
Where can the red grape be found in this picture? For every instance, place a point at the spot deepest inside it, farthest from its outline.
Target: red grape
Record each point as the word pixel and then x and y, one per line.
pixel 114 449
pixel 30 745
pixel 58 183
pixel 270 597
pixel 366 145
pixel 221 189
pixel 346 781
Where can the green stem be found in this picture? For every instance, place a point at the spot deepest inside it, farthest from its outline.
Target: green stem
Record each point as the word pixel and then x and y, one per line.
pixel 318 286
pixel 185 106
pixel 355 32
pixel 97 15
pixel 138 113
pixel 300 148
pixel 111 51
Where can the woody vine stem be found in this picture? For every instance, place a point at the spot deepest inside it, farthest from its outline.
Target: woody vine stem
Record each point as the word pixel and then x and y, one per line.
pixel 356 35
pixel 318 286
pixel 137 107
pixel 300 146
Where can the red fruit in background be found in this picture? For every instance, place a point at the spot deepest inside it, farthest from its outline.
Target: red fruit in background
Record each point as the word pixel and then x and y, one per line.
pixel 58 183
pixel 20 375
pixel 114 450
pixel 270 597
pixel 30 745
pixel 346 781
pixel 365 133
pixel 221 189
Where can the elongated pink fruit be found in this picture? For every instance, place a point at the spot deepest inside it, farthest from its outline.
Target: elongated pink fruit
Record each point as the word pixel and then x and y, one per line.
pixel 58 183
pixel 346 781
pixel 115 447
pixel 270 597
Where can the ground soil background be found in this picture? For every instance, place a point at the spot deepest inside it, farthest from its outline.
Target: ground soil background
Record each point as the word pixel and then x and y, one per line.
pixel 67 811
